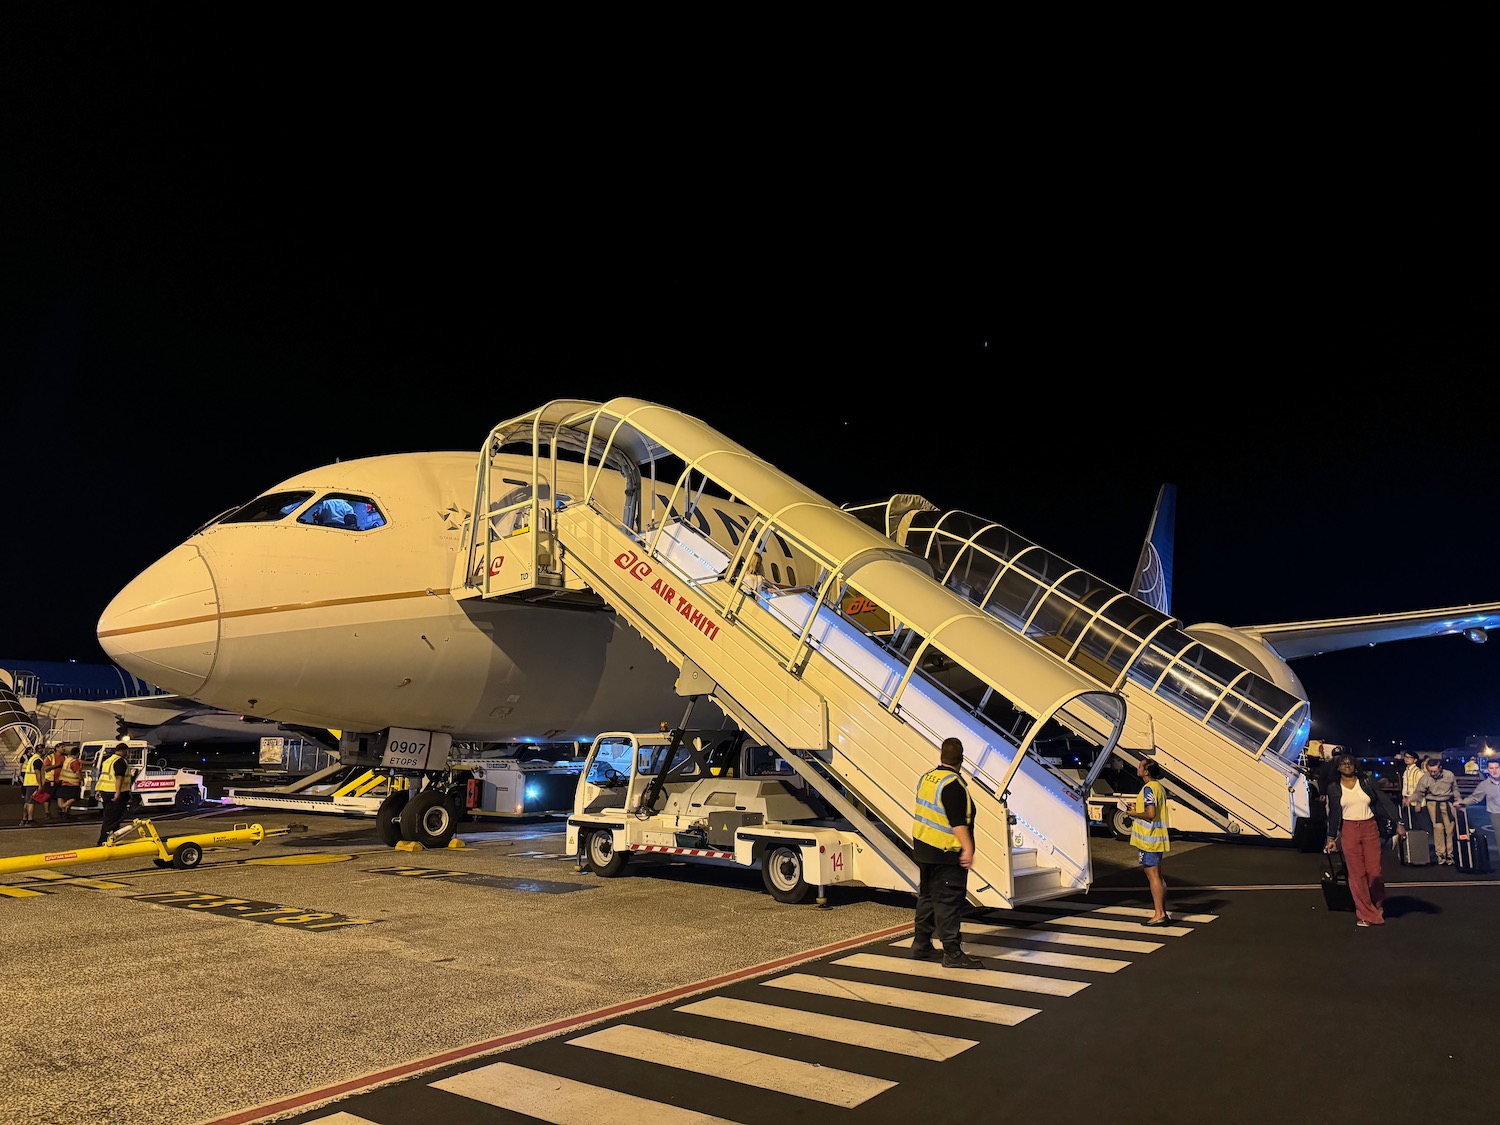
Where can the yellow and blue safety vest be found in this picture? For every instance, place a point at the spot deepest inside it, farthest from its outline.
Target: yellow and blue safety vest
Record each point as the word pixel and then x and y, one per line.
pixel 1150 835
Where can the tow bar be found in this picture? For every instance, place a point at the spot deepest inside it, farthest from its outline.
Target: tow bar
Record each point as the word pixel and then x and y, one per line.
pixel 167 851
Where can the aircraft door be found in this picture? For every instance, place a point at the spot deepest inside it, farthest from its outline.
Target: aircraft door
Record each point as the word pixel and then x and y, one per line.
pixel 522 551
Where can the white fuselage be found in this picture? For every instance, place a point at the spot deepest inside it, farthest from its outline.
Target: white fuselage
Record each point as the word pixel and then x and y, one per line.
pixel 358 630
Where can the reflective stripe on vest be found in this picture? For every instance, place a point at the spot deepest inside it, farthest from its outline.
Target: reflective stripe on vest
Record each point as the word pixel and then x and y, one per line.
pixel 929 821
pixel 1150 835
pixel 108 782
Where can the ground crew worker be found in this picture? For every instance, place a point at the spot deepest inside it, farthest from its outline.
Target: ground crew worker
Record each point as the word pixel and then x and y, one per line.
pixel 47 786
pixel 943 846
pixel 31 778
pixel 69 781
pixel 1148 835
pixel 113 787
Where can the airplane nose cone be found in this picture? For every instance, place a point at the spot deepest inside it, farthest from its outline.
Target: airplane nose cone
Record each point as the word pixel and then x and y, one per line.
pixel 164 626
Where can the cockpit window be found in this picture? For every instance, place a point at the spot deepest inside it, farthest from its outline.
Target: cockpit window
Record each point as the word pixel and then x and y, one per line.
pixel 344 509
pixel 266 509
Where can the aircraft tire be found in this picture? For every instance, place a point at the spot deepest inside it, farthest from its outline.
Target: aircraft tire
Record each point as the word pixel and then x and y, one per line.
pixel 187 856
pixel 388 817
pixel 782 872
pixel 604 860
pixel 428 819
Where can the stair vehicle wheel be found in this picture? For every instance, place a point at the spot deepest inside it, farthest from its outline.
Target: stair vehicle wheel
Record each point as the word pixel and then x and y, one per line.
pixel 388 817
pixel 188 797
pixel 781 871
pixel 604 860
pixel 187 855
pixel 428 819
pixel 1119 823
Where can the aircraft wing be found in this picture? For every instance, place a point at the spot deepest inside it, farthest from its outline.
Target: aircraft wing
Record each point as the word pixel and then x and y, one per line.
pixel 1310 638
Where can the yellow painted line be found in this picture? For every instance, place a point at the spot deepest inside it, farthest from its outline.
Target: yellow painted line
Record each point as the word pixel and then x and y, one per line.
pixel 18 892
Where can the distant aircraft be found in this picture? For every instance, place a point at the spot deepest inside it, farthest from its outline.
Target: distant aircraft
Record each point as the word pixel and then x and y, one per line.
pixel 78 702
pixel 1266 649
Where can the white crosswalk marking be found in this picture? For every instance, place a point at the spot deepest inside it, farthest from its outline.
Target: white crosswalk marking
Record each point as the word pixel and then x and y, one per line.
pixel 878 1037
pixel 1099 923
pixel 1124 945
pixel 1146 912
pixel 735 1064
pixel 998 978
pixel 957 1006
pixel 1045 957
pixel 563 1101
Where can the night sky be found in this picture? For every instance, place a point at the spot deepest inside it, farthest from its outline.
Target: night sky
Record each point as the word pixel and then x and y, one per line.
pixel 231 251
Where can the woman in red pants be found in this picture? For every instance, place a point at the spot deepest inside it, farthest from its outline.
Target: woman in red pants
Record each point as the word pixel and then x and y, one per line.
pixel 1360 816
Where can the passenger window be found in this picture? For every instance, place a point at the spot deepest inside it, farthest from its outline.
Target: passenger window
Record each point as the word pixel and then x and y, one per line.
pixel 346 510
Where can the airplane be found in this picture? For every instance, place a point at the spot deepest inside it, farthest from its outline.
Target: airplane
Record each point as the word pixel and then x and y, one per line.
pixel 270 609
pixel 1267 649
pixel 27 684
pixel 335 599
pixel 74 701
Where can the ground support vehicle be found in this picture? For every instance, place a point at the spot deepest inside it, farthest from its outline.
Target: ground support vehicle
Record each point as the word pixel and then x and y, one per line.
pixel 154 786
pixel 182 852
pixel 419 787
pixel 713 797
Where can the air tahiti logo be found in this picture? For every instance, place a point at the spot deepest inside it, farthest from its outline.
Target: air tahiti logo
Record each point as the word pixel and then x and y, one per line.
pixel 639 569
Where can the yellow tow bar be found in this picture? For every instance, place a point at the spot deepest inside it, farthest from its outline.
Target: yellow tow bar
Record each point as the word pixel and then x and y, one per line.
pixel 167 851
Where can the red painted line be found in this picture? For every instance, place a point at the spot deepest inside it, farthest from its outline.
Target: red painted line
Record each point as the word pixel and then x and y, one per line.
pixel 545 1031
pixel 681 851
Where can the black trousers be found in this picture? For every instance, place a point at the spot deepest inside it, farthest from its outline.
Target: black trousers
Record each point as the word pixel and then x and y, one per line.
pixel 114 812
pixel 942 892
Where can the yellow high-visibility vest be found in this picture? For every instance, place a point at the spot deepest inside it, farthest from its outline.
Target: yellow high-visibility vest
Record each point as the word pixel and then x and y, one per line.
pixel 929 821
pixel 107 781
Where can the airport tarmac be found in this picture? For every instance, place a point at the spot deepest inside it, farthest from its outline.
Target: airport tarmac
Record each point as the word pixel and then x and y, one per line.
pixel 274 977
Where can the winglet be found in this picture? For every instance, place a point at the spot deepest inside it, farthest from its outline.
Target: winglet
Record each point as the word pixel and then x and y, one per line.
pixel 1153 573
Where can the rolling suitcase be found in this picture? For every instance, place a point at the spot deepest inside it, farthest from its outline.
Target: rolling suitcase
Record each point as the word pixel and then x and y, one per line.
pixel 1336 893
pixel 1415 848
pixel 1471 851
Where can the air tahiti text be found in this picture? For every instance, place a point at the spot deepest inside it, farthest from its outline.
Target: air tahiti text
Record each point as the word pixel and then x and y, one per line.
pixel 639 569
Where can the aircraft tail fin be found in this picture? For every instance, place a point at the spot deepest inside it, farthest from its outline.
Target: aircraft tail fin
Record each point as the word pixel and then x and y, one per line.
pixel 1153 573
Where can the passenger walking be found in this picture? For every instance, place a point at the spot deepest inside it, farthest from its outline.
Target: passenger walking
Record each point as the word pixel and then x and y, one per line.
pixel 1488 791
pixel 1357 810
pixel 943 847
pixel 1437 792
pixel 1149 835
pixel 113 787
pixel 31 780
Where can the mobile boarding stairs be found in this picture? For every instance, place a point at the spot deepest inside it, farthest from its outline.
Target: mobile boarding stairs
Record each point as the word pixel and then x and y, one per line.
pixel 859 715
